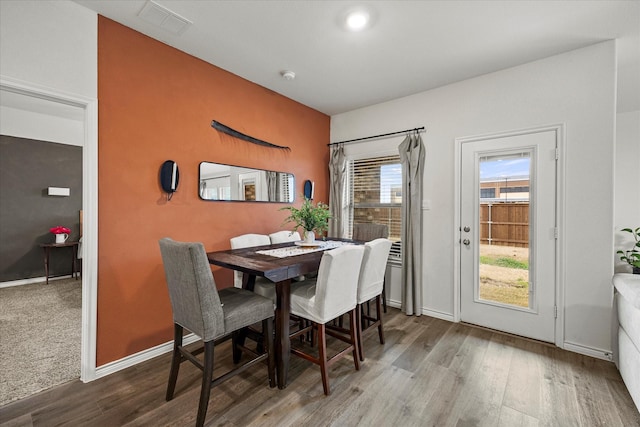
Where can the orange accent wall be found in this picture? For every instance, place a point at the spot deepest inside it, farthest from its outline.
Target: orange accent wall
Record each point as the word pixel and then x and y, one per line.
pixel 157 103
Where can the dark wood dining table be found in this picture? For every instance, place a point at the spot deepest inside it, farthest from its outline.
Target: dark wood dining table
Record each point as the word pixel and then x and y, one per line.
pixel 280 271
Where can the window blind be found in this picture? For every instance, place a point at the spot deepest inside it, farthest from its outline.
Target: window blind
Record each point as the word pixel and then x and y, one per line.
pixel 375 196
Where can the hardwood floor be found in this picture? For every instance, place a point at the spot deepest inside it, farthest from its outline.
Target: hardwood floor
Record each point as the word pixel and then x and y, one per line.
pixel 429 373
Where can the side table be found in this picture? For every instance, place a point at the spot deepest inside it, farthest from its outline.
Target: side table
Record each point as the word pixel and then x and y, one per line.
pixel 47 252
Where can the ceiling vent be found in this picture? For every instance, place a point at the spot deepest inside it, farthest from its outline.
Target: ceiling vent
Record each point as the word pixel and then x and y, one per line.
pixel 158 15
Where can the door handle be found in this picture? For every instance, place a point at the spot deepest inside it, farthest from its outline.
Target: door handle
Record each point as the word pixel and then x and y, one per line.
pixel 466 242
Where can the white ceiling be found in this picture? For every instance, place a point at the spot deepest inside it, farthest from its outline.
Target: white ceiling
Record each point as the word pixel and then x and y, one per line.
pixel 412 46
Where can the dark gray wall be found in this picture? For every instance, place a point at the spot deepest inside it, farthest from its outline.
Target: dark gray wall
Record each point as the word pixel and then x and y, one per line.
pixel 27 169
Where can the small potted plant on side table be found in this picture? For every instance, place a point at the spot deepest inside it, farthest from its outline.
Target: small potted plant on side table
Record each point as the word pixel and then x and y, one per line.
pixel 632 256
pixel 61 233
pixel 312 219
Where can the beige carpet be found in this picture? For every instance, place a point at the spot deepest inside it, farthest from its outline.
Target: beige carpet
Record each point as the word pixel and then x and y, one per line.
pixel 40 332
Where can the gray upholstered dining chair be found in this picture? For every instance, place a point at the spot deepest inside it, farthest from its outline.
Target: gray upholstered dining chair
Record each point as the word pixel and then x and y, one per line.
pixel 212 315
pixel 370 286
pixel 329 296
pixel 366 233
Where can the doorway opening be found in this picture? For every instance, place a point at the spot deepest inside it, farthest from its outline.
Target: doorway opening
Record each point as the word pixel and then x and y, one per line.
pixel 507 214
pixel 30 95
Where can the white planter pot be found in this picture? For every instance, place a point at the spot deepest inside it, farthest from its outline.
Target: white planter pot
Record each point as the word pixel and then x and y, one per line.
pixel 309 236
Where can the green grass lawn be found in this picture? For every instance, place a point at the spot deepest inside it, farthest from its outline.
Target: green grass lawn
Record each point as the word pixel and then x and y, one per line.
pixel 512 288
pixel 504 262
pixel 512 295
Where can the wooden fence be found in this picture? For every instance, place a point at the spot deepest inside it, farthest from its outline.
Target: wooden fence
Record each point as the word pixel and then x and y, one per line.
pixel 504 224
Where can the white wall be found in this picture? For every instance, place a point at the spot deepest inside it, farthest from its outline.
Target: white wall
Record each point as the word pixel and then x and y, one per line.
pixel 43 127
pixel 576 89
pixel 627 187
pixel 51 48
pixel 53 45
pixel 50 43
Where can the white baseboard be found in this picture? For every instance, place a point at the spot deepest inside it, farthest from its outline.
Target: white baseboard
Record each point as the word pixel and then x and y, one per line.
pixel 589 351
pixel 426 312
pixel 31 280
pixel 394 304
pixel 438 314
pixel 576 348
pixel 144 355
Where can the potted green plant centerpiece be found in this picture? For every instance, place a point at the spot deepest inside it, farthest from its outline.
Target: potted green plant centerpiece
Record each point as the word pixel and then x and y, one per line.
pixel 312 219
pixel 632 256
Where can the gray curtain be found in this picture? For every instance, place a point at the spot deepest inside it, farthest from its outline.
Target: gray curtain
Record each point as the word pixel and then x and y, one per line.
pixel 272 186
pixel 337 175
pixel 412 154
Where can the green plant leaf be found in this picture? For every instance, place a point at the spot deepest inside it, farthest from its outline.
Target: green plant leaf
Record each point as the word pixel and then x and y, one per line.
pixel 631 256
pixel 309 217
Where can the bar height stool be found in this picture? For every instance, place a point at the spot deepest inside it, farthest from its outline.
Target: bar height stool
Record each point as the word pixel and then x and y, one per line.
pixel 330 295
pixel 371 286
pixel 366 233
pixel 212 315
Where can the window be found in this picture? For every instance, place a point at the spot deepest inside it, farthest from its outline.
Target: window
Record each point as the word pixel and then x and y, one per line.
pixel 285 183
pixel 216 188
pixel 520 189
pixel 487 193
pixel 375 196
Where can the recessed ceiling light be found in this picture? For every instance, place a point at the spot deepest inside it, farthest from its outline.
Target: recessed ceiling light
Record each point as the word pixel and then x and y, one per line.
pixel 357 20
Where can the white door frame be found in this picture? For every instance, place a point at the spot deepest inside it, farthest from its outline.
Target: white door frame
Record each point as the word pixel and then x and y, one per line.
pixel 560 220
pixel 89 207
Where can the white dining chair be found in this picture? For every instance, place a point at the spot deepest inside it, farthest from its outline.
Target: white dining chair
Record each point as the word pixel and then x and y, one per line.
pixel 329 296
pixel 370 286
pixel 284 236
pixel 366 233
pixel 262 286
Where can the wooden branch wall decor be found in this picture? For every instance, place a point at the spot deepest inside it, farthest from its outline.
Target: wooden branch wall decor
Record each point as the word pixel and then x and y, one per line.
pixel 234 133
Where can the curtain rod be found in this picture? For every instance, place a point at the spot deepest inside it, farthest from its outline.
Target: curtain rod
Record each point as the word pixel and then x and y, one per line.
pixel 378 136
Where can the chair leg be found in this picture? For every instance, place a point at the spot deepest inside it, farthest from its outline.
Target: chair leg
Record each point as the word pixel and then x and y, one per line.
pixel 207 376
pixel 368 313
pixel 175 361
pixel 378 312
pixel 301 325
pixel 267 329
pixel 354 338
pixel 359 330
pixel 238 338
pixel 384 294
pixel 312 334
pixel 322 355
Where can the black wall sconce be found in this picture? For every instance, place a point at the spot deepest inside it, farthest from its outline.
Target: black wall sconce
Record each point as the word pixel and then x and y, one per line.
pixel 169 177
pixel 308 189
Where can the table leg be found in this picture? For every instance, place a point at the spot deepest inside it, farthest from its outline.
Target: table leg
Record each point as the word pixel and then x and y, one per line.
pixel 248 281
pixel 282 343
pixel 74 253
pixel 46 264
